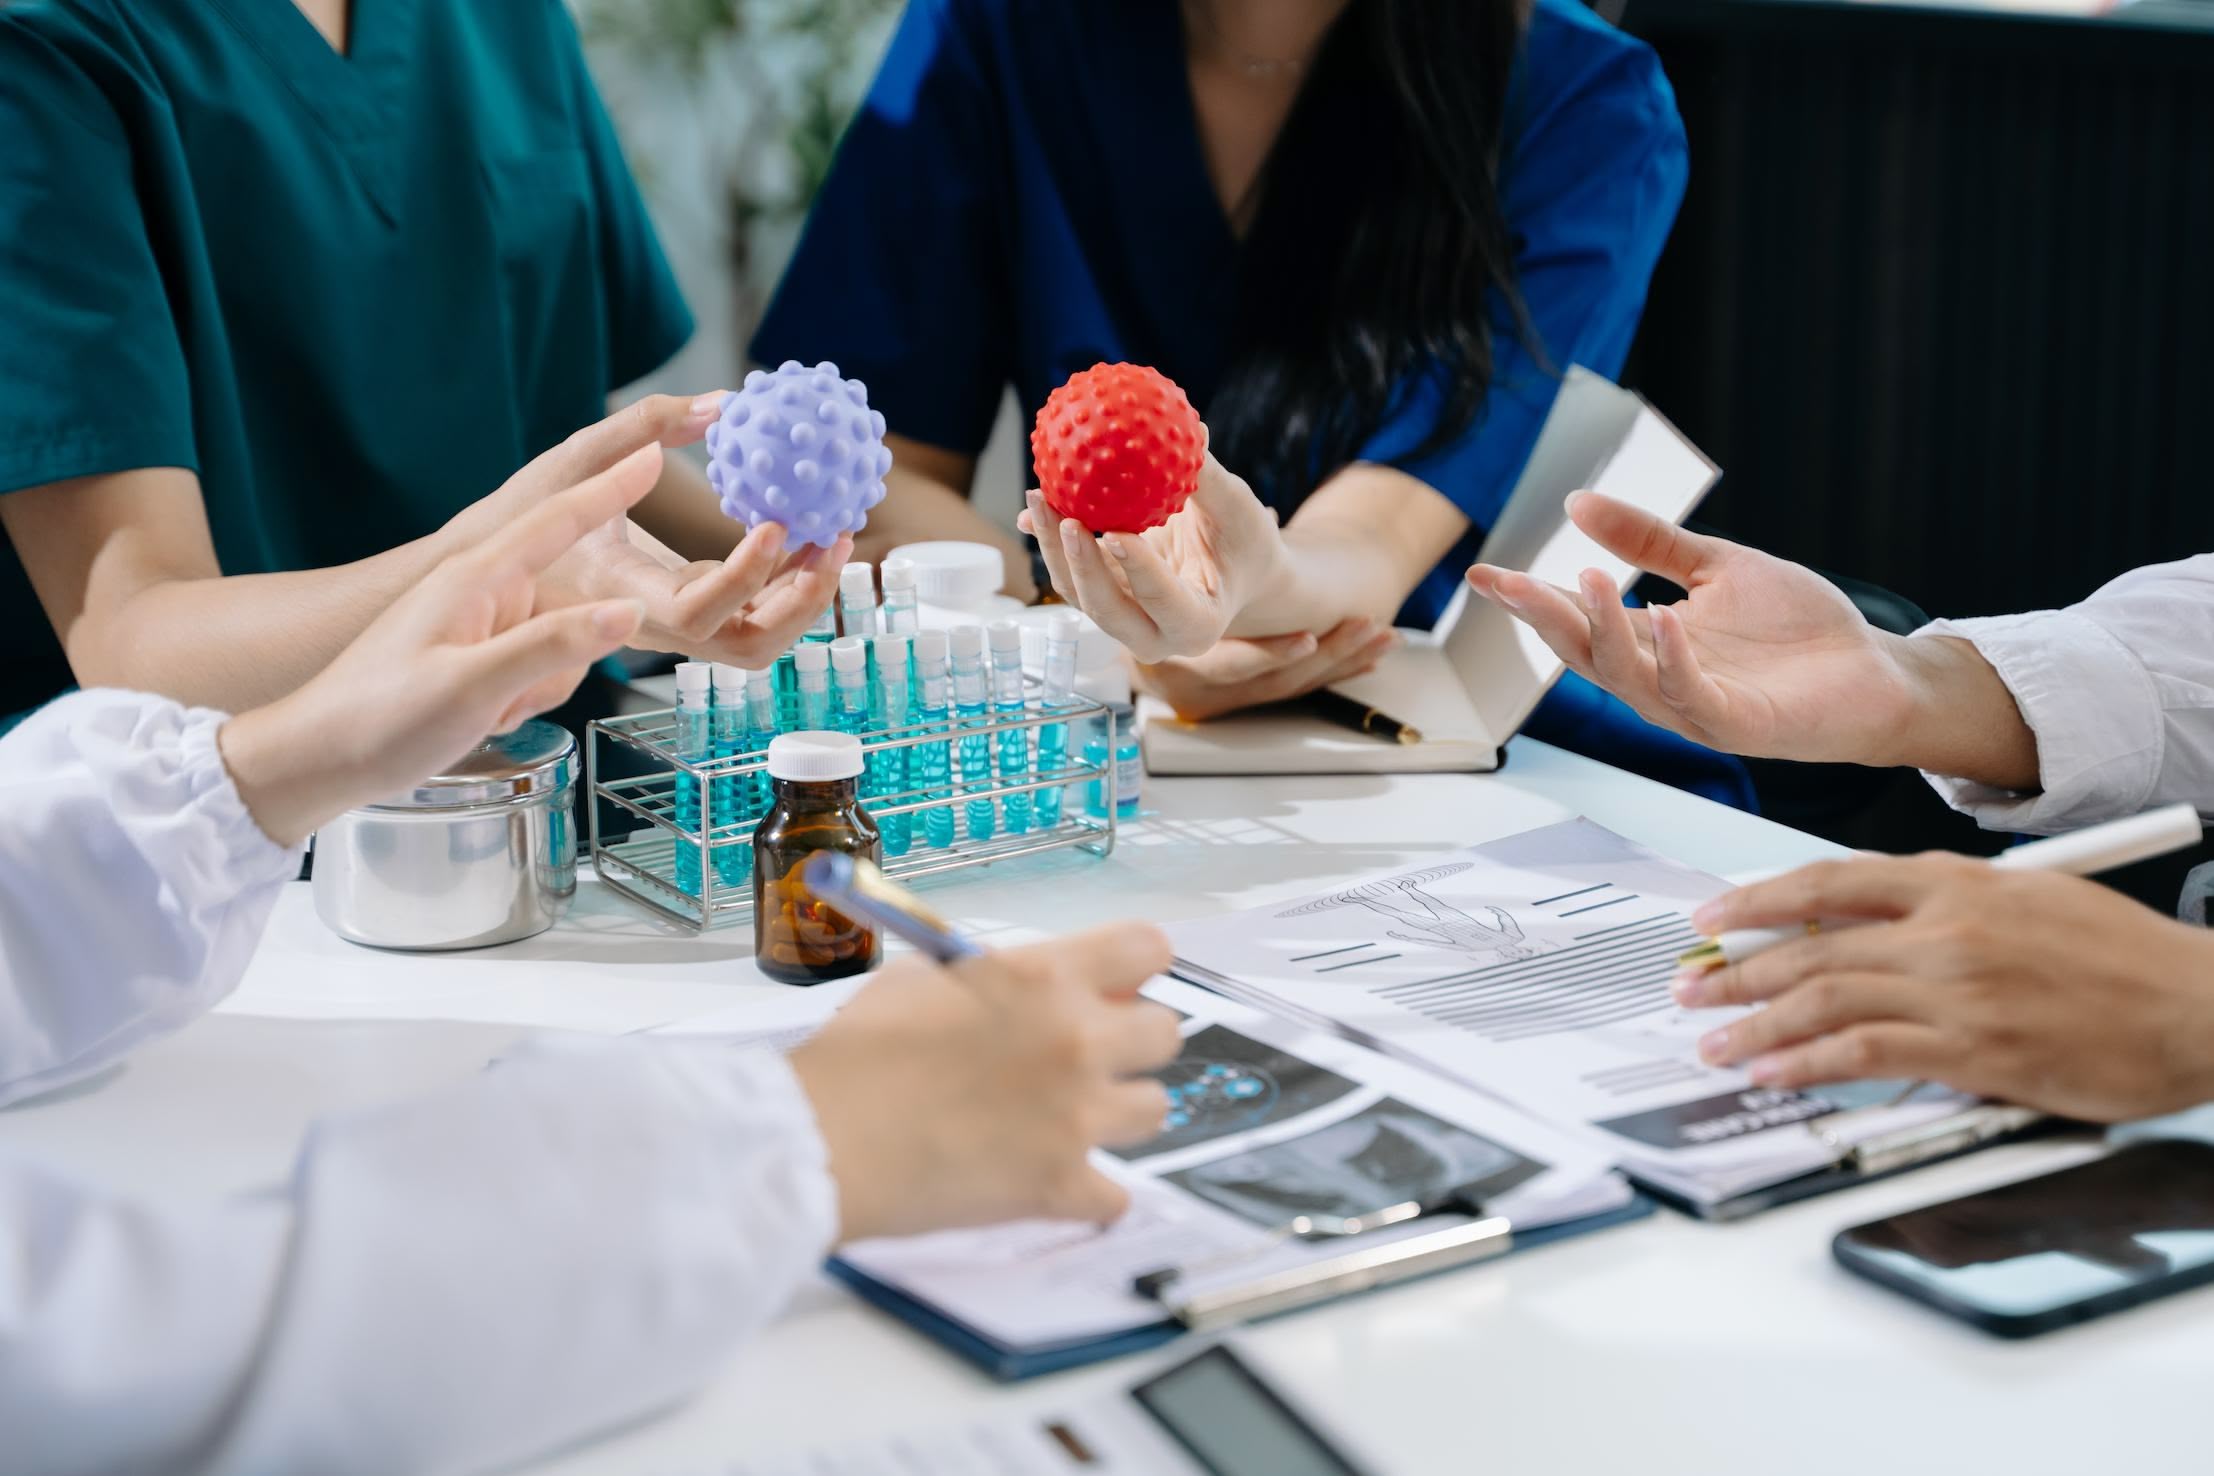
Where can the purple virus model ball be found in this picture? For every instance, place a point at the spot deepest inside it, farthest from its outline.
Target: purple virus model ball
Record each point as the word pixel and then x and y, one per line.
pixel 800 447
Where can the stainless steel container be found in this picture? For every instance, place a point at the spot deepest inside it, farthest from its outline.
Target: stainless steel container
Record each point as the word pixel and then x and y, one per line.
pixel 485 854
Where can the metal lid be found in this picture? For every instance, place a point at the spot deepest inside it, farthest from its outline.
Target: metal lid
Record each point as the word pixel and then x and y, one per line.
pixel 537 758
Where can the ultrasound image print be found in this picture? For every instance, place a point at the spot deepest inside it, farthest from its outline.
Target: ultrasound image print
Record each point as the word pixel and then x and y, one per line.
pixel 1223 1082
pixel 1388 1153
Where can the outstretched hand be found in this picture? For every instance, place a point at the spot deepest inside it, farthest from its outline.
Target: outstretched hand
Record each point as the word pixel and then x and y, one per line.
pixel 1762 657
pixel 1172 590
pixel 742 609
pixel 471 650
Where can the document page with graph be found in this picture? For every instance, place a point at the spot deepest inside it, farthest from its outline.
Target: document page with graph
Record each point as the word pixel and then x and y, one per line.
pixel 1536 968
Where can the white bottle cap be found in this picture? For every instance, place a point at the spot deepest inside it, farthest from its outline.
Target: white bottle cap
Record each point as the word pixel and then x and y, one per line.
pixel 891 654
pixel 930 647
pixel 730 683
pixel 957 576
pixel 857 583
pixel 811 656
pixel 968 640
pixel 849 653
pixel 899 573
pixel 814 757
pixel 1005 634
pixel 693 678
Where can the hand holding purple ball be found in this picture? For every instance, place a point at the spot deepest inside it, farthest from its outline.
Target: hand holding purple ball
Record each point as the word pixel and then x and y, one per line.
pixel 799 447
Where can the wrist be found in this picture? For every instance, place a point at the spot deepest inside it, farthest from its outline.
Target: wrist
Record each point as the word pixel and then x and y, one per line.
pixel 286 775
pixel 1957 717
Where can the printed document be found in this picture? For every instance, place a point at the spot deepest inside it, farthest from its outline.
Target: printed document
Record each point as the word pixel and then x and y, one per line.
pixel 1536 968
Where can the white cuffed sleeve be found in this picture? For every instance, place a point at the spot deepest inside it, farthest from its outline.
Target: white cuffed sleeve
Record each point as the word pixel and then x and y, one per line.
pixel 134 884
pixel 2119 691
pixel 573 1239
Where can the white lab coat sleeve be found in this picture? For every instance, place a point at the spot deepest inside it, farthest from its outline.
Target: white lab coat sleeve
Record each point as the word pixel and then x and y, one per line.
pixel 572 1239
pixel 2120 693
pixel 134 884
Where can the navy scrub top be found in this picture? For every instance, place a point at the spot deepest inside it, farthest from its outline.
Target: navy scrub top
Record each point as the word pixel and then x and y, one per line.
pixel 1024 194
pixel 352 292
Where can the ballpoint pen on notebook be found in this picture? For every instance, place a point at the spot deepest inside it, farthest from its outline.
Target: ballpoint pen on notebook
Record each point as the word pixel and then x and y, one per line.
pixel 1337 708
pixel 855 886
pixel 2083 853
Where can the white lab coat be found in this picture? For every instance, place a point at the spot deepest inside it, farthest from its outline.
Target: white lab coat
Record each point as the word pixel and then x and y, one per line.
pixel 2120 693
pixel 573 1238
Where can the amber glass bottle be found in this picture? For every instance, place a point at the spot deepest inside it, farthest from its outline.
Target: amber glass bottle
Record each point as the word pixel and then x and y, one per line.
pixel 816 807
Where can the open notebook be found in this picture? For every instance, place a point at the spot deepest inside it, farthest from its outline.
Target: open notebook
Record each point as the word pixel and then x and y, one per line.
pixel 1470 683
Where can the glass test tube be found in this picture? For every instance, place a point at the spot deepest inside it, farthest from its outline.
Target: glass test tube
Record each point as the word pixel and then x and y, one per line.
pixel 1062 632
pixel 1014 743
pixel 975 750
pixel 888 767
pixel 933 762
pixel 692 743
pixel 849 665
pixel 727 733
pixel 811 677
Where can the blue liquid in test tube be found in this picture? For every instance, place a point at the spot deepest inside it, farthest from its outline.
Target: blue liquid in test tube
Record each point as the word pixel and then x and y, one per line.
pixel 1014 743
pixel 1062 633
pixel 975 749
pixel 933 762
pixel 727 733
pixel 888 767
pixel 692 743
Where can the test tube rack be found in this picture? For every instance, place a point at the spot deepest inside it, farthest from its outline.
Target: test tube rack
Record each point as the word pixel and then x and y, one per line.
pixel 634 774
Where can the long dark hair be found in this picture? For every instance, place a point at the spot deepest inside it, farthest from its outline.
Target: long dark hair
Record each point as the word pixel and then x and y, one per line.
pixel 1378 241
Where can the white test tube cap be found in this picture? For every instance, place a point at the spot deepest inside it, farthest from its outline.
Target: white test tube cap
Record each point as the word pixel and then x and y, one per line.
pixel 849 654
pixel 693 679
pixel 891 652
pixel 730 682
pixel 814 757
pixel 764 676
pixel 968 640
pixel 811 656
pixel 857 583
pixel 898 574
pixel 931 646
pixel 1006 636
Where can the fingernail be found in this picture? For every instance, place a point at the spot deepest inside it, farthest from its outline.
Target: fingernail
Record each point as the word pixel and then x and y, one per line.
pixel 707 407
pixel 1705 916
pixel 1714 1046
pixel 1506 599
pixel 1766 1070
pixel 1115 547
pixel 1305 644
pixel 1689 988
pixel 619 619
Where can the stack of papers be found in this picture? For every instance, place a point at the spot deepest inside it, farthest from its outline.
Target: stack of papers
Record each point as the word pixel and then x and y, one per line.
pixel 1535 969
pixel 1270 1120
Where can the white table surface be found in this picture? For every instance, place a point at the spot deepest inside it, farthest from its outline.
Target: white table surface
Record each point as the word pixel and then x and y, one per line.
pixel 1667 1345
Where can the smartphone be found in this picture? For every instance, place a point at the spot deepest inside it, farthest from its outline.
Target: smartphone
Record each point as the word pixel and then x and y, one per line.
pixel 2051 1251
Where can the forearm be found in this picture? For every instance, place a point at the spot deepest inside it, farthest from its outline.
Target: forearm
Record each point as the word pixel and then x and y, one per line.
pixel 918 507
pixel 1358 547
pixel 1960 720
pixel 236 642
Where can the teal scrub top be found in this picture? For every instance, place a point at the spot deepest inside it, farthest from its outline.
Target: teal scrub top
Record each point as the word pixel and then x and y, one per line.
pixel 353 292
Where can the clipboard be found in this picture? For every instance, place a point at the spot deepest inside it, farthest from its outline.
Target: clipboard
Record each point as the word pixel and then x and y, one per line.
pixel 1360 1270
pixel 1984 1125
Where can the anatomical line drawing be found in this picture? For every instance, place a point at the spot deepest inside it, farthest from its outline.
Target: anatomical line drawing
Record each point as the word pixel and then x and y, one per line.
pixel 1423 919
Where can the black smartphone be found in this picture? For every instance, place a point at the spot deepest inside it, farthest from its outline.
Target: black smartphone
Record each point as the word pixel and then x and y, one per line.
pixel 2055 1250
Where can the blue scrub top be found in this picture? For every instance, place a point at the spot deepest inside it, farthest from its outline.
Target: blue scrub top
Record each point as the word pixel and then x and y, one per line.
pixel 352 292
pixel 1024 194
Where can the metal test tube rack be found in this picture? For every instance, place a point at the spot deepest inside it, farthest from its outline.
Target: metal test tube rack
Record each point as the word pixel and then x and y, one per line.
pixel 642 862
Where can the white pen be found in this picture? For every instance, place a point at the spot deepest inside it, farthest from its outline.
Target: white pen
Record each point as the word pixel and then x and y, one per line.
pixel 2081 853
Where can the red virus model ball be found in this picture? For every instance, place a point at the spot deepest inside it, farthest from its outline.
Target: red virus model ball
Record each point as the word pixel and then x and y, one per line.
pixel 1117 448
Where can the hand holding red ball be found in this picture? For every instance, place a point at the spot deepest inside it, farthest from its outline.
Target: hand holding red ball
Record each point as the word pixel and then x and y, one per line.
pixel 1118 448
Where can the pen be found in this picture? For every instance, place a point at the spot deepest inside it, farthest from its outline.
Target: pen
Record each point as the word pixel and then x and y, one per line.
pixel 855 886
pixel 2082 853
pixel 1335 707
